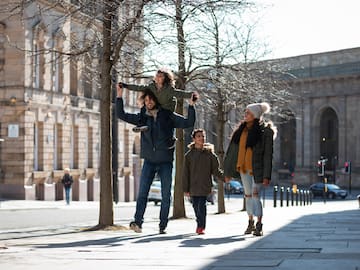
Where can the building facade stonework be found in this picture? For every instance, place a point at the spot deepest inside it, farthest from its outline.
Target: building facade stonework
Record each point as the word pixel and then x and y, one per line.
pixel 325 122
pixel 49 116
pixel 322 123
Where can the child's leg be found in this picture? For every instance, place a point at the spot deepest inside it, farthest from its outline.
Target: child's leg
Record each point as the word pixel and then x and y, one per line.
pixel 202 211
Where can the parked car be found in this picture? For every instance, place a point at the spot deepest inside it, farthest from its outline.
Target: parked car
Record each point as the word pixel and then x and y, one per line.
pixel 234 187
pixel 155 192
pixel 333 191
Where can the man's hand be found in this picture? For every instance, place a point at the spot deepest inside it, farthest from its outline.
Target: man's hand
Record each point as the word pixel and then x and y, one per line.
pixel 266 182
pixel 119 90
pixel 187 194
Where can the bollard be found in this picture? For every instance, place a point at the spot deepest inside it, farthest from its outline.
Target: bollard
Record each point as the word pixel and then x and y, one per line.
pixel 311 197
pixel 281 196
pixel 287 196
pixel 304 198
pixel 307 197
pixel 292 198
pixel 275 194
pixel 297 197
pixel 301 197
pixel 358 197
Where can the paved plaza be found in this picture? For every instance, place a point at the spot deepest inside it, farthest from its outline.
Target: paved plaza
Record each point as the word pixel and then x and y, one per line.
pixel 317 236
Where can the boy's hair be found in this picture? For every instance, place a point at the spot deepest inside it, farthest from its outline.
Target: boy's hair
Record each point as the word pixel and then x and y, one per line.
pixel 196 131
pixel 151 95
pixel 169 76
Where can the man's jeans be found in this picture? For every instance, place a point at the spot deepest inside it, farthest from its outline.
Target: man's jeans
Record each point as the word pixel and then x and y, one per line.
pixel 164 171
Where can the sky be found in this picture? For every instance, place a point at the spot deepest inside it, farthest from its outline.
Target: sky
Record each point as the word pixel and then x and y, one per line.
pixel 297 27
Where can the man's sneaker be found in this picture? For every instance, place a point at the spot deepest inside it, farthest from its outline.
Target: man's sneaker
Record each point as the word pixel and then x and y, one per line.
pixel 258 229
pixel 140 129
pixel 162 231
pixel 250 228
pixel 136 228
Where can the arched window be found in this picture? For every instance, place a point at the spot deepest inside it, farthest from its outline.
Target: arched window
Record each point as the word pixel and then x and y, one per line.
pixel 329 136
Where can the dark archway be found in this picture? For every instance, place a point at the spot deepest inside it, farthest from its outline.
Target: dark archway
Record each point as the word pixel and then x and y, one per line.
pixel 329 137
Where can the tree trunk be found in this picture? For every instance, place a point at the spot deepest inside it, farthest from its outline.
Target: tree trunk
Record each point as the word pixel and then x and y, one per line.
pixel 220 152
pixel 179 207
pixel 106 216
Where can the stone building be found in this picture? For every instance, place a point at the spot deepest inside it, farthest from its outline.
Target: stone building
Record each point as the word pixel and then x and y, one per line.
pixel 49 108
pixel 324 119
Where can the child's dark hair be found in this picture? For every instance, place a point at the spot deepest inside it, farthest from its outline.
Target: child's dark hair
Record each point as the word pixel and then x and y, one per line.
pixel 196 131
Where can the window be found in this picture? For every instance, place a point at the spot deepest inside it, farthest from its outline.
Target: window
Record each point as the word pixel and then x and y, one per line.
pixel 38 57
pixel 58 65
pixel 74 142
pixel 90 152
pixel 87 77
pixel 38 146
pixel 73 77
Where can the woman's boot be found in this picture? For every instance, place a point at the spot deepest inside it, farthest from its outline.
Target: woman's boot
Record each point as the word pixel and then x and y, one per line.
pixel 258 229
pixel 250 227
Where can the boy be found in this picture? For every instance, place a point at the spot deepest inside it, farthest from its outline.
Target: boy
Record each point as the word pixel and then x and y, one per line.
pixel 200 165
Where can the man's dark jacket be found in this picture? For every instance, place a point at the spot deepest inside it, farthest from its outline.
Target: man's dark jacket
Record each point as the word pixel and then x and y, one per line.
pixel 158 142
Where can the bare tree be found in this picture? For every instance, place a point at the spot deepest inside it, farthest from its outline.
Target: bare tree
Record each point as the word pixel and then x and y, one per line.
pixel 177 27
pixel 101 33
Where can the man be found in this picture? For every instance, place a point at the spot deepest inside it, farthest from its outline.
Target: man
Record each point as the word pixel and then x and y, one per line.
pixel 157 150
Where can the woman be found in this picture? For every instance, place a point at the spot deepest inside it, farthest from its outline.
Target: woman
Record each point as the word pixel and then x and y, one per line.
pixel 249 156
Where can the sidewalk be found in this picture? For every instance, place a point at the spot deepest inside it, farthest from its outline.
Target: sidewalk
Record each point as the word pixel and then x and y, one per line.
pixel 320 236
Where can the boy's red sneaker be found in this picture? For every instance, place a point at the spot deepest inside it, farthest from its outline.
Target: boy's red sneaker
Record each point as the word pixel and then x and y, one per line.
pixel 200 231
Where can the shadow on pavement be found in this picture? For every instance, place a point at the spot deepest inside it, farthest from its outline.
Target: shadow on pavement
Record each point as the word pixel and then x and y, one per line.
pixel 318 241
pixel 201 242
pixel 103 242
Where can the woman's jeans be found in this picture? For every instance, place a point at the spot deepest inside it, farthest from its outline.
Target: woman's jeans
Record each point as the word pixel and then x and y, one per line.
pixel 252 192
pixel 199 205
pixel 67 194
pixel 164 171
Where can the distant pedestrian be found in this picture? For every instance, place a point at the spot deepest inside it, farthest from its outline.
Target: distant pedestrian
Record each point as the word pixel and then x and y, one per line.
pixel 67 181
pixel 249 156
pixel 200 165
